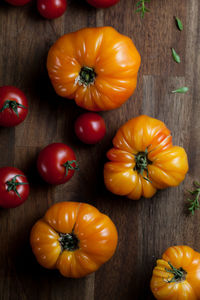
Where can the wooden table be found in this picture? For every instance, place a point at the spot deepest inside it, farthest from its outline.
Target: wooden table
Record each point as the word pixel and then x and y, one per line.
pixel 146 227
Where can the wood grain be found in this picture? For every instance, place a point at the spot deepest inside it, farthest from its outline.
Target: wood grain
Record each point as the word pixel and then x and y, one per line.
pixel 146 227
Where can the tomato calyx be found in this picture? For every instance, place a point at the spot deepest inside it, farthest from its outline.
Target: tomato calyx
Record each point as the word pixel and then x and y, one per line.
pixel 86 76
pixel 69 166
pixel 12 105
pixel 142 162
pixel 179 274
pixel 69 241
pixel 12 184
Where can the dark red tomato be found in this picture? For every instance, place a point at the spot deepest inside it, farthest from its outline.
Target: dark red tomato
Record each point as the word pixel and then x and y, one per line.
pixel 13 106
pixel 102 3
pixel 14 187
pixel 90 128
pixel 51 9
pixel 57 163
pixel 18 2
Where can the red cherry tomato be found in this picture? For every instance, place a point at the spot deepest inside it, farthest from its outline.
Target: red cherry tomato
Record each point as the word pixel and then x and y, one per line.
pixel 13 106
pixel 14 187
pixel 102 3
pixel 51 9
pixel 18 2
pixel 57 163
pixel 90 128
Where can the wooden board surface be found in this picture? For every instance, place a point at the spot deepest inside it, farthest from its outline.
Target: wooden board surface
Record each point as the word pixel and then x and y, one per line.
pixel 146 227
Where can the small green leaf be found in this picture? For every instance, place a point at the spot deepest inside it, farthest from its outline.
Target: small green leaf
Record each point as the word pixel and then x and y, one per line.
pixel 179 24
pixel 181 90
pixel 138 10
pixel 138 3
pixel 175 56
pixel 141 8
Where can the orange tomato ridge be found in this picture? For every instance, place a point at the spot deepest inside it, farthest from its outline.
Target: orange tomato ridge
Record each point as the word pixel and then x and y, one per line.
pixel 97 67
pixel 177 274
pixel 143 159
pixel 73 237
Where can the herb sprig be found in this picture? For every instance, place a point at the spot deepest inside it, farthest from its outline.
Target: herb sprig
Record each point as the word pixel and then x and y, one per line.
pixel 142 9
pixel 194 202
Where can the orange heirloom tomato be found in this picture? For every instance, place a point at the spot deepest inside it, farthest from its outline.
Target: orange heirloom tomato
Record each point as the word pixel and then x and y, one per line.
pixel 177 275
pixel 97 67
pixel 143 159
pixel 74 238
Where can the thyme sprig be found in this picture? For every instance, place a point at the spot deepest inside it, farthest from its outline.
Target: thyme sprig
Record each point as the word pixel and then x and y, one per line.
pixel 194 202
pixel 141 7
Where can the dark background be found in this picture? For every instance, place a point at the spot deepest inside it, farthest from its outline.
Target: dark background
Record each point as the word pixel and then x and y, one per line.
pixel 146 227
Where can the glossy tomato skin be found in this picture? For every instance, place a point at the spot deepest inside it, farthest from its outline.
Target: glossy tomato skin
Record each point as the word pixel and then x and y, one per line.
pixel 10 199
pixel 144 141
pixel 51 9
pixel 18 2
pixel 90 128
pixel 93 239
pixel 182 258
pixel 102 75
pixel 51 160
pixel 102 3
pixel 8 117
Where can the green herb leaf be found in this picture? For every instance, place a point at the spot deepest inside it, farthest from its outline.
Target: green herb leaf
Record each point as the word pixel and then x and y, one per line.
pixel 179 24
pixel 194 203
pixel 181 90
pixel 142 9
pixel 175 56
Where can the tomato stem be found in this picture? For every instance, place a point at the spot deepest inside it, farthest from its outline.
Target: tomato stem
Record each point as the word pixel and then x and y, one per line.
pixel 179 274
pixel 69 241
pixel 69 166
pixel 141 163
pixel 12 105
pixel 86 76
pixel 12 184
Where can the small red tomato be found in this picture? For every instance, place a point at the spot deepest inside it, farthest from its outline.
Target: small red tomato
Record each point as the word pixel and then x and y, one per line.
pixel 14 187
pixel 90 128
pixel 18 2
pixel 51 9
pixel 57 163
pixel 13 106
pixel 102 3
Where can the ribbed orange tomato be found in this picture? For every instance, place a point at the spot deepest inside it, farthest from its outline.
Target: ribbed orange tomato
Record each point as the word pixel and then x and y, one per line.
pixel 143 159
pixel 97 67
pixel 177 275
pixel 73 237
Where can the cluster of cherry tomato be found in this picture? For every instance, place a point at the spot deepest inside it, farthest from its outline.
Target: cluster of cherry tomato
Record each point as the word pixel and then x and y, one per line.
pixel 56 163
pixel 52 9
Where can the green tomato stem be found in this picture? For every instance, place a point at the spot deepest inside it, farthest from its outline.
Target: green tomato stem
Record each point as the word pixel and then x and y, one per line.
pixel 12 184
pixel 12 105
pixel 69 241
pixel 69 166
pixel 179 274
